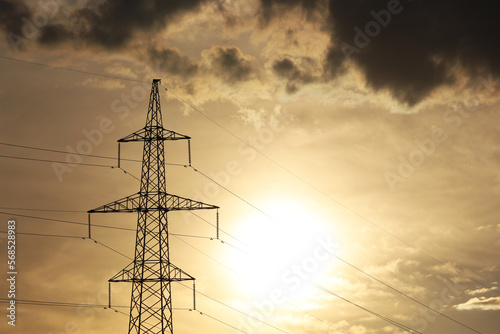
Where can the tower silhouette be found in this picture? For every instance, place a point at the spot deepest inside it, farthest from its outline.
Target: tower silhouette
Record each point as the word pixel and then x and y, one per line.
pixel 151 272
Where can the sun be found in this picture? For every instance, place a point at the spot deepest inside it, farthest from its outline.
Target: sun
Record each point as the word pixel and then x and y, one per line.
pixel 283 248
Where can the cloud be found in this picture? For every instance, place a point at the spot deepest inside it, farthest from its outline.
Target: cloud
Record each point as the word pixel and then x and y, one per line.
pixel 412 48
pixel 229 64
pixel 481 303
pixel 113 23
pixel 108 84
pixel 13 16
pixel 409 49
pixel 172 61
pixel 296 75
pixel 54 34
pixel 275 8
pixel 480 291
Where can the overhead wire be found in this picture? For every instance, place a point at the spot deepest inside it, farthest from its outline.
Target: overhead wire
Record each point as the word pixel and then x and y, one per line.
pixel 198 250
pixel 405 295
pixel 213 225
pixel 218 320
pixel 236 310
pixel 352 211
pixel 53 303
pixel 261 153
pixel 391 321
pixel 69 69
pixel 65 152
pixel 56 161
pixel 73 153
pixel 246 278
pixel 353 266
pixel 48 235
pixel 213 299
pixel 120 253
pixel 86 224
pixel 387 285
pixel 30 209
pixel 322 192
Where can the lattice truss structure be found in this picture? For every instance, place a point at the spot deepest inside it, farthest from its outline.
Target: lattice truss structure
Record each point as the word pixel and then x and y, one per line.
pixel 151 272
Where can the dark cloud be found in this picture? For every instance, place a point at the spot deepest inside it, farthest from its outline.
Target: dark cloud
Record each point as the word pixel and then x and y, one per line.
pixel 295 76
pixel 172 62
pixel 13 16
pixel 416 49
pixel 415 45
pixel 54 34
pixel 229 64
pixel 109 23
pixel 273 8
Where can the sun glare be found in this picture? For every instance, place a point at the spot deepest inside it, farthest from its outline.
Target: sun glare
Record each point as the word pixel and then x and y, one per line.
pixel 283 249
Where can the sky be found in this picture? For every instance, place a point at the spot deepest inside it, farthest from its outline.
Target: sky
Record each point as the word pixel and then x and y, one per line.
pixel 352 147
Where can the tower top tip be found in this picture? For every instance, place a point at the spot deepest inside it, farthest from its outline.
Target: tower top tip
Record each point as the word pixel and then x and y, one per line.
pixel 156 80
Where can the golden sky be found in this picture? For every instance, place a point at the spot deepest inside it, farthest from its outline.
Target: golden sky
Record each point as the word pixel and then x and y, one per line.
pixel 352 147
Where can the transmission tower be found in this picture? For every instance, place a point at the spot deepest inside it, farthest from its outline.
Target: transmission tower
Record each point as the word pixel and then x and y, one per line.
pixel 151 272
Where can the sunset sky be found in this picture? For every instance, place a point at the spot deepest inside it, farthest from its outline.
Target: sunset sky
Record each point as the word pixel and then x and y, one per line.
pixel 353 148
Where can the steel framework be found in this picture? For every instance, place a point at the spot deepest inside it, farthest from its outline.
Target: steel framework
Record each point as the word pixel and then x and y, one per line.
pixel 151 272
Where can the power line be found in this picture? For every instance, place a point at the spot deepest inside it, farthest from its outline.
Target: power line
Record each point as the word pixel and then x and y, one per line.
pixel 111 249
pixel 81 211
pixel 226 233
pixel 242 198
pixel 222 322
pixel 393 322
pixel 258 151
pixel 135 177
pixel 72 153
pixel 318 286
pixel 48 235
pixel 66 304
pixel 256 319
pixel 71 69
pixel 51 210
pixel 200 312
pixel 239 311
pixel 353 266
pixel 326 290
pixel 86 224
pixel 405 295
pixel 322 192
pixel 65 221
pixel 246 278
pixel 52 303
pixel 62 162
pixel 233 193
pixel 64 152
pixel 210 257
pixel 315 317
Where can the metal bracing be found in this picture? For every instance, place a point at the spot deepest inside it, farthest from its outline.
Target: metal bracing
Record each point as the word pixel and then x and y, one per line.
pixel 151 272
pixel 172 203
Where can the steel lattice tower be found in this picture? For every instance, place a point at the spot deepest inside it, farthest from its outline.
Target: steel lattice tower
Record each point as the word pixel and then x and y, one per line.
pixel 151 272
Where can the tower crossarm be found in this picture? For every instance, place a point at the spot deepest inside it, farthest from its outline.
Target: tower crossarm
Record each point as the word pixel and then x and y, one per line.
pixel 126 204
pixel 172 203
pixel 175 274
pixel 176 203
pixel 145 134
